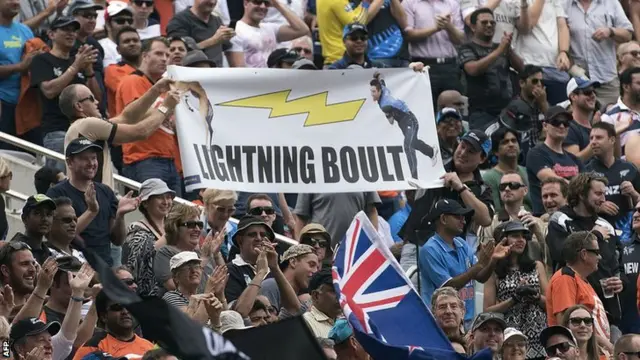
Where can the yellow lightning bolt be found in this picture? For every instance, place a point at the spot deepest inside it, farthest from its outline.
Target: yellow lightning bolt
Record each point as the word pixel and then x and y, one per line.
pixel 315 106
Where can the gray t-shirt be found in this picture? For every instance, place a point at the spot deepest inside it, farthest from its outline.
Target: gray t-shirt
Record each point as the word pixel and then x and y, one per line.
pixel 270 290
pixel 334 211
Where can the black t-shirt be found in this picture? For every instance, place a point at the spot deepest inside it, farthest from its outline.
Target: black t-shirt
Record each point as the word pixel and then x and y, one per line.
pixel 4 225
pixel 565 165
pixel 97 236
pixel 185 23
pixel 630 322
pixel 385 36
pixel 618 172
pixel 52 315
pixel 490 91
pixel 577 135
pixel 46 67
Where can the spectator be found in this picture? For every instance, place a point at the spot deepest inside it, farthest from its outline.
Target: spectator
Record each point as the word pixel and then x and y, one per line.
pixel 346 345
pixel 505 144
pixel 487 331
pixel 300 263
pixel 47 177
pixel 582 255
pixel 133 124
pixel 5 184
pixel 317 236
pixel 628 56
pixel 582 96
pixel 448 310
pixel 153 157
pixel 459 344
pixel 622 114
pixel 117 16
pixel 123 274
pixel 630 322
pixel 37 215
pixel 325 308
pixel 178 50
pixel 251 233
pixel 52 71
pixel 147 26
pixel 452 99
pixel 441 266
pixel 29 334
pixel 138 251
pixel 623 180
pixel 433 32
pixel 554 196
pixel 55 309
pixel 385 21
pixel 516 288
pixel 289 59
pixel 117 338
pixel 512 349
pixel 534 94
pixel 332 17
pixel 214 38
pixel 100 214
pixel 158 354
pixel 262 205
pixel 303 46
pixel 626 347
pixel 593 42
pixel 356 44
pixel 182 233
pixel 399 218
pixel 578 319
pixel 559 341
pixel 327 347
pixel 219 206
pixel 489 86
pixel 549 159
pixel 186 272
pixel 19 270
pixel 449 129
pixel 259 315
pixel 63 231
pixel 129 50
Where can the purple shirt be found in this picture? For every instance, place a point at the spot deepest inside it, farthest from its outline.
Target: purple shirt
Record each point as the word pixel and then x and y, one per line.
pixel 421 14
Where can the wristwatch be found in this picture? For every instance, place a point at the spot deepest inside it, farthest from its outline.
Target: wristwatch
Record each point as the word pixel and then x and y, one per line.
pixel 464 188
pixel 163 109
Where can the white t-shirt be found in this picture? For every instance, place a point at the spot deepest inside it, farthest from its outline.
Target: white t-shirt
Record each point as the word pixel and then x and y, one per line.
pixel 275 17
pixel 505 15
pixel 151 31
pixel 540 46
pixel 257 42
pixel 111 54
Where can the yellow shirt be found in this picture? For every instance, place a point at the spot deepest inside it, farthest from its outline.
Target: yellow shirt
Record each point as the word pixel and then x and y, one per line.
pixel 319 323
pixel 332 17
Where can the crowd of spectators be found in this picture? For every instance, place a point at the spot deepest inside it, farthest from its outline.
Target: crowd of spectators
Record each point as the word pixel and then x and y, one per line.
pixel 537 110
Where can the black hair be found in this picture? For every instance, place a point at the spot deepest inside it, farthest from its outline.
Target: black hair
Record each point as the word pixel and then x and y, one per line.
pixel 322 277
pixel 609 128
pixel 257 306
pixel 102 302
pixel 626 78
pixel 474 15
pixel 528 71
pixel 62 201
pixel 155 354
pixel 525 262
pixel 44 178
pixel 124 30
pixel 499 135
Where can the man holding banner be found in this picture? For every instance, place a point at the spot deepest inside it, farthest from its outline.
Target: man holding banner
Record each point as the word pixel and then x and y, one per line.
pixel 397 110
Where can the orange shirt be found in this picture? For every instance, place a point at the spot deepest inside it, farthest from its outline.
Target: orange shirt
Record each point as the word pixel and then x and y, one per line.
pixel 162 143
pixel 103 341
pixel 566 288
pixel 113 74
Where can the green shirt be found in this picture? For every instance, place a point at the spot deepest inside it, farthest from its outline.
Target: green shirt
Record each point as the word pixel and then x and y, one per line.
pixel 492 179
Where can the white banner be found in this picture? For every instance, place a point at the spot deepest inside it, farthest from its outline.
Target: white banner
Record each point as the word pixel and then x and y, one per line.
pixel 302 131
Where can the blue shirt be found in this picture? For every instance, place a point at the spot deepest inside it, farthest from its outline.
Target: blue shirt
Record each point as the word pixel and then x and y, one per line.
pixel 397 220
pixel 439 263
pixel 12 40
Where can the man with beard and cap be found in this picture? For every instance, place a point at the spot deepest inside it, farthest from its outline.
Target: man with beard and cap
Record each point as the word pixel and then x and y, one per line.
pixel 289 59
pixel 582 97
pixel 487 331
pixel 118 337
pixel 560 343
pixel 117 16
pixel 37 216
pixel 355 37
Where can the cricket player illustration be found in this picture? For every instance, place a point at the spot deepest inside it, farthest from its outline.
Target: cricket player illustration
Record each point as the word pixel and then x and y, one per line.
pixel 398 111
pixel 197 101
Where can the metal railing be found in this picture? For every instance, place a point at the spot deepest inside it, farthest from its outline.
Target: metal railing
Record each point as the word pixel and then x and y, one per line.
pixel 23 144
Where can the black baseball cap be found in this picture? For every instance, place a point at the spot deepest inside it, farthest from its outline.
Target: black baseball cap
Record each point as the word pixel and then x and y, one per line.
pixel 485 317
pixel 478 140
pixel 32 326
pixel 517 116
pixel 353 28
pixel 81 144
pixel 247 221
pixel 556 330
pixel 37 200
pixel 449 207
pixel 514 226
pixel 278 56
pixel 556 111
pixel 62 21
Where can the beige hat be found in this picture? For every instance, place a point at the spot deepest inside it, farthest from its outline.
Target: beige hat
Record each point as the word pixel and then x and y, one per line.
pixel 513 333
pixel 297 250
pixel 182 258
pixel 231 320
pixel 314 228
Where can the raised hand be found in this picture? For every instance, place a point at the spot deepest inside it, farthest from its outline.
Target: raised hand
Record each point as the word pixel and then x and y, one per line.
pixel 272 256
pixel 91 200
pixel 46 274
pixel 128 203
pixel 6 301
pixel 81 280
pixel 262 266
pixel 212 243
pixel 485 252
pixel 218 280
pixel 501 251
pixel 36 353
pixel 214 307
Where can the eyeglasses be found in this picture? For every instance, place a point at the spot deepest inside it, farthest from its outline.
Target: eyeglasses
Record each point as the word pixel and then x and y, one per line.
pixel 586 92
pixel 536 81
pixel 563 347
pixel 88 98
pixel 123 21
pixel 258 210
pixel 266 3
pixel 558 123
pixel 115 307
pixel 634 53
pixel 361 37
pixel 128 282
pixel 300 49
pixel 511 185
pixel 89 16
pixel 192 224
pixel 594 251
pixel 143 2
pixel 18 245
pixel 487 22
pixel 576 321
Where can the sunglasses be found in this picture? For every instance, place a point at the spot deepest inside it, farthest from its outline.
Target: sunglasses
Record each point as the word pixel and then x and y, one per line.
pixel 576 321
pixel 487 22
pixel 586 92
pixel 90 16
pixel 511 185
pixel 558 123
pixel 123 21
pixel 192 224
pixel 115 307
pixel 302 50
pixel 594 251
pixel 258 210
pixel 140 3
pixel 266 3
pixel 88 98
pixel 316 242
pixel 128 282
pixel 535 81
pixel 358 37
pixel 563 347
pixel 18 245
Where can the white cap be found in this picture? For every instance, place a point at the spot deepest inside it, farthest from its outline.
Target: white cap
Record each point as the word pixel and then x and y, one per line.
pixel 231 320
pixel 116 7
pixel 182 258
pixel 580 83
pixel 513 332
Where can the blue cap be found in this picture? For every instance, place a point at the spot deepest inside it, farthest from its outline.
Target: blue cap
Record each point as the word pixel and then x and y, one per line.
pixel 352 28
pixel 580 83
pixel 341 331
pixel 447 112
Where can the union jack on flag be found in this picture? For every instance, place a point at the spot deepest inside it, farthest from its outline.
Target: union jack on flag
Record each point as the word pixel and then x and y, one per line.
pixel 388 317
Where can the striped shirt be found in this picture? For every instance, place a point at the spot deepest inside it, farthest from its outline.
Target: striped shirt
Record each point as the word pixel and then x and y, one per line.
pixel 620 114
pixel 175 298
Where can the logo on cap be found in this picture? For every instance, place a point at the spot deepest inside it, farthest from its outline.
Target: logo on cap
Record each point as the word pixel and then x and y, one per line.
pixel 84 142
pixel 474 136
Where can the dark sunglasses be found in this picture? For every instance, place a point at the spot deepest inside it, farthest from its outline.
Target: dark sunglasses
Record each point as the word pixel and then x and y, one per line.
pixel 143 2
pixel 558 123
pixel 128 282
pixel 313 242
pixel 88 98
pixel 258 210
pixel 586 92
pixel 18 245
pixel 563 347
pixel 535 81
pixel 115 307
pixel 594 251
pixel 511 185
pixel 302 50
pixel 90 16
pixel 123 21
pixel 576 321
pixel 266 3
pixel 361 37
pixel 487 22
pixel 192 224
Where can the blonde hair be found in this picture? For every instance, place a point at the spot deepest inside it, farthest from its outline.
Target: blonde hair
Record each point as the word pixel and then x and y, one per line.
pixel 213 196
pixel 179 213
pixel 4 168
